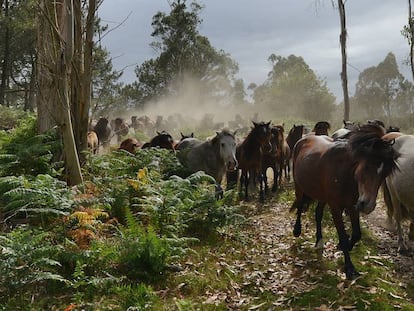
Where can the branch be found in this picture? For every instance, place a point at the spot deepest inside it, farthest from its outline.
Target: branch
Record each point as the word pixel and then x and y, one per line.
pixel 117 26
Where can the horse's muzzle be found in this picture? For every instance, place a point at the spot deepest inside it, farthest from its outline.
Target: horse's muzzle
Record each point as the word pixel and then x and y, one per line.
pixel 365 207
pixel 232 165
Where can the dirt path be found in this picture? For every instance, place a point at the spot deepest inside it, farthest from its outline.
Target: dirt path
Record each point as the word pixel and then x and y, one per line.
pixel 275 263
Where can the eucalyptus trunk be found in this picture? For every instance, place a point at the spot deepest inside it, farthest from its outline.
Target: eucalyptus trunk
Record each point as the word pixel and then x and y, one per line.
pixel 411 37
pixel 54 65
pixel 5 66
pixel 344 72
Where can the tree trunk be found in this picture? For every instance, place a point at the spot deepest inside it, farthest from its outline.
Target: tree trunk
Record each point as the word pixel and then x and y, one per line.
pixel 82 73
pixel 73 169
pixel 411 37
pixel 47 95
pixel 5 66
pixel 56 54
pixel 344 74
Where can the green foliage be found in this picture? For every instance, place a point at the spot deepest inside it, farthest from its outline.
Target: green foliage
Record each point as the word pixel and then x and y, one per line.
pixel 29 262
pixel 36 198
pixel 142 254
pixel 23 152
pixel 293 89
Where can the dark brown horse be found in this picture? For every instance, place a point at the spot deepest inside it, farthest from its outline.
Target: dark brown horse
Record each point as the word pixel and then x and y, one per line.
pixel 321 128
pixel 249 156
pixel 103 131
pixel 161 140
pixel 275 157
pixel 295 133
pixel 345 175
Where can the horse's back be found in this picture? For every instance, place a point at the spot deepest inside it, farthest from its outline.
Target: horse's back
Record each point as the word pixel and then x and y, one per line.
pixel 188 142
pixel 318 164
pixel 401 182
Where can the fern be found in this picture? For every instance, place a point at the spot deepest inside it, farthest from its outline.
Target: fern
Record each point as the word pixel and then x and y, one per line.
pixel 37 198
pixel 26 153
pixel 29 260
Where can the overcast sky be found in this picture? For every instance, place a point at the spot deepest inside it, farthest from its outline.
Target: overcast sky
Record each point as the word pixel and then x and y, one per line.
pixel 251 30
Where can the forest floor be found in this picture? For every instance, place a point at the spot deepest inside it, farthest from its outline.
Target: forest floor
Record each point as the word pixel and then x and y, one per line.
pixel 261 266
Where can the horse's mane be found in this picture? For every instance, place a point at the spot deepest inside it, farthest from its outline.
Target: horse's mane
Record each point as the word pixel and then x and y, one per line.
pixel 366 142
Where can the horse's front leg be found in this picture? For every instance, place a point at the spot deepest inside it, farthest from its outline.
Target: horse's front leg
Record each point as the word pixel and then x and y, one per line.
pixel 261 182
pixel 246 183
pixel 318 220
pixel 356 227
pixel 344 243
pixel 275 178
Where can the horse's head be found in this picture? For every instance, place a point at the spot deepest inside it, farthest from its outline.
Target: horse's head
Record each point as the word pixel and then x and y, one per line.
pixel 321 128
pixel 277 137
pixel 263 134
pixel 374 160
pixel 227 148
pixel 163 140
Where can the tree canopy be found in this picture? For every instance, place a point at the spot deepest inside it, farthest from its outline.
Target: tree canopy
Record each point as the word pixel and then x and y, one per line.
pixel 380 90
pixel 293 89
pixel 184 55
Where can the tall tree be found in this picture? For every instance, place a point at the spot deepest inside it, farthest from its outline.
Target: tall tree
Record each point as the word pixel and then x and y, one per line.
pixel 81 71
pixel 17 53
pixel 379 87
pixel 59 38
pixel 408 32
pixel 184 55
pixel 344 72
pixel 293 89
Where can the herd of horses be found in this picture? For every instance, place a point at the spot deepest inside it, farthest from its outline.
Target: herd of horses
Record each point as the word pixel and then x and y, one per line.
pixel 344 170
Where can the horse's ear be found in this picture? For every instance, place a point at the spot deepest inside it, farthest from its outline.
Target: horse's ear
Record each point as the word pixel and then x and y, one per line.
pixel 235 132
pixel 254 123
pixel 158 133
pixel 192 134
pixel 268 123
pixel 182 136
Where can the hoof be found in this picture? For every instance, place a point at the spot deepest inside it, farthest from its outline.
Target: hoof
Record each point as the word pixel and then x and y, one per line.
pixel 351 274
pixel 404 251
pixel 319 244
pixel 297 231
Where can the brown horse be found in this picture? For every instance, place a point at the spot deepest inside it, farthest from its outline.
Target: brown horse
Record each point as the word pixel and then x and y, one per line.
pixel 93 142
pixel 345 175
pixel 103 130
pixel 130 144
pixel 249 156
pixel 275 157
pixel 295 133
pixel 161 140
pixel 321 128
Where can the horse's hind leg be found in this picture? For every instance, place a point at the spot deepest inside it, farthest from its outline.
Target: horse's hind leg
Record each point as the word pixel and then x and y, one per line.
pixel 261 193
pixel 318 219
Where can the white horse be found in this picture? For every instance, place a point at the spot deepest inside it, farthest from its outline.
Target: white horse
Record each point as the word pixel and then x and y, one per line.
pixel 214 156
pixel 398 188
